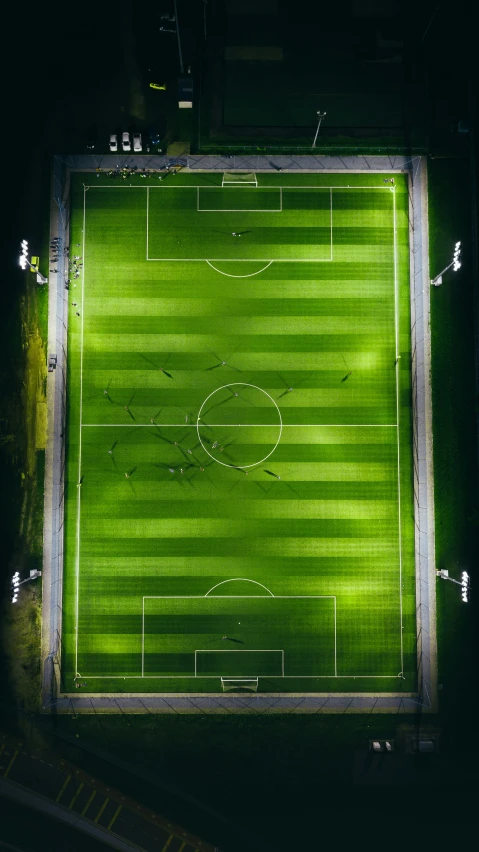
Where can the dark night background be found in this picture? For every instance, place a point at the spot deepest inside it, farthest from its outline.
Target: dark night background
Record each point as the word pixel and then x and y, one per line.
pixel 72 74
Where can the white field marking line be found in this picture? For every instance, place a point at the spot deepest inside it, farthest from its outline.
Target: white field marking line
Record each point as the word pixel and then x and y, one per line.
pixel 236 597
pixel 237 210
pixel 335 641
pixel 147 221
pixel 331 219
pixel 243 580
pixel 301 425
pixel 202 186
pixel 396 322
pixel 243 260
pixel 198 424
pixel 287 677
pixel 240 260
pixel 143 638
pixel 250 275
pixel 242 425
pixel 249 597
pixel 77 561
pixel 240 651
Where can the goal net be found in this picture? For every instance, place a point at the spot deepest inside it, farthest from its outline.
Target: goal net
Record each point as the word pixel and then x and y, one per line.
pixel 239 179
pixel 229 683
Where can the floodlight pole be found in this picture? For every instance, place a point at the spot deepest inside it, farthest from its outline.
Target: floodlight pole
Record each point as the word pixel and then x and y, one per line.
pixel 455 262
pixel 464 582
pixel 444 576
pixel 320 115
pixel 435 282
pixel 182 70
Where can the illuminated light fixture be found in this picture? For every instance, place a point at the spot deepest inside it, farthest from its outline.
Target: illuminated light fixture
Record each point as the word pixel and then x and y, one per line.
pixel 457 257
pixel 455 263
pixel 465 582
pixel 23 259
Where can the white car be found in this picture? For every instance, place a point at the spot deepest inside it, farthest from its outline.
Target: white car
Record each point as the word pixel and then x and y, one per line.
pixel 137 146
pixel 125 142
pixel 113 142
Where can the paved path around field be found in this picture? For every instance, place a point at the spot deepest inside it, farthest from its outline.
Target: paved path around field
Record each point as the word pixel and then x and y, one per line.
pixel 52 701
pixel 41 781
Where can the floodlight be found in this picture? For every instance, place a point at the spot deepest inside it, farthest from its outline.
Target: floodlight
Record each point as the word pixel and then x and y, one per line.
pixel 455 263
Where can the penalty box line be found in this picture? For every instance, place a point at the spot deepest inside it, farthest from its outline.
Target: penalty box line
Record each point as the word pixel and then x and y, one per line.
pixel 242 260
pixel 240 597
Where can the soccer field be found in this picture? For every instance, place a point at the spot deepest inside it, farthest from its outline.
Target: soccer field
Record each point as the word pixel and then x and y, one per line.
pixel 239 500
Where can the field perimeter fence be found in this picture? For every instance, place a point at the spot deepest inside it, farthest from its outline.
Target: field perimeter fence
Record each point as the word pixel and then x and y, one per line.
pixel 52 698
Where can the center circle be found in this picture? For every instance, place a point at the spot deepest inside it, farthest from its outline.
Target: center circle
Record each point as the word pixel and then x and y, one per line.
pixel 218 428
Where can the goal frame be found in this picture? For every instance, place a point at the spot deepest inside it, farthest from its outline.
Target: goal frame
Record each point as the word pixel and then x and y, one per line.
pixel 230 683
pixel 239 179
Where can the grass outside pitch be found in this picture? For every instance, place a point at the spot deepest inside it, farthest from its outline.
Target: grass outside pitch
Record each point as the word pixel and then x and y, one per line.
pixel 240 422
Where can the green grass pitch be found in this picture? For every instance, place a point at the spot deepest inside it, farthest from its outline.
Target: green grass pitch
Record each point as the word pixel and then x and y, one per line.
pixel 241 429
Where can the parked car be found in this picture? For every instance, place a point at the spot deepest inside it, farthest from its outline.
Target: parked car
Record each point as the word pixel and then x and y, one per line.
pixel 126 142
pixel 137 146
pixel 113 142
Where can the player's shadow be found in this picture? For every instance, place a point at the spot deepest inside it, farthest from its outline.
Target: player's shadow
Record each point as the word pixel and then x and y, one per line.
pixel 107 394
pixel 163 468
pixel 289 387
pixel 218 404
pixel 232 639
pixel 111 454
pixel 161 437
pixel 127 406
pixel 157 366
pixel 128 479
pixel 222 363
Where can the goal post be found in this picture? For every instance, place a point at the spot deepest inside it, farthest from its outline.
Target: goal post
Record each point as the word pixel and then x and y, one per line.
pixel 229 683
pixel 239 179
